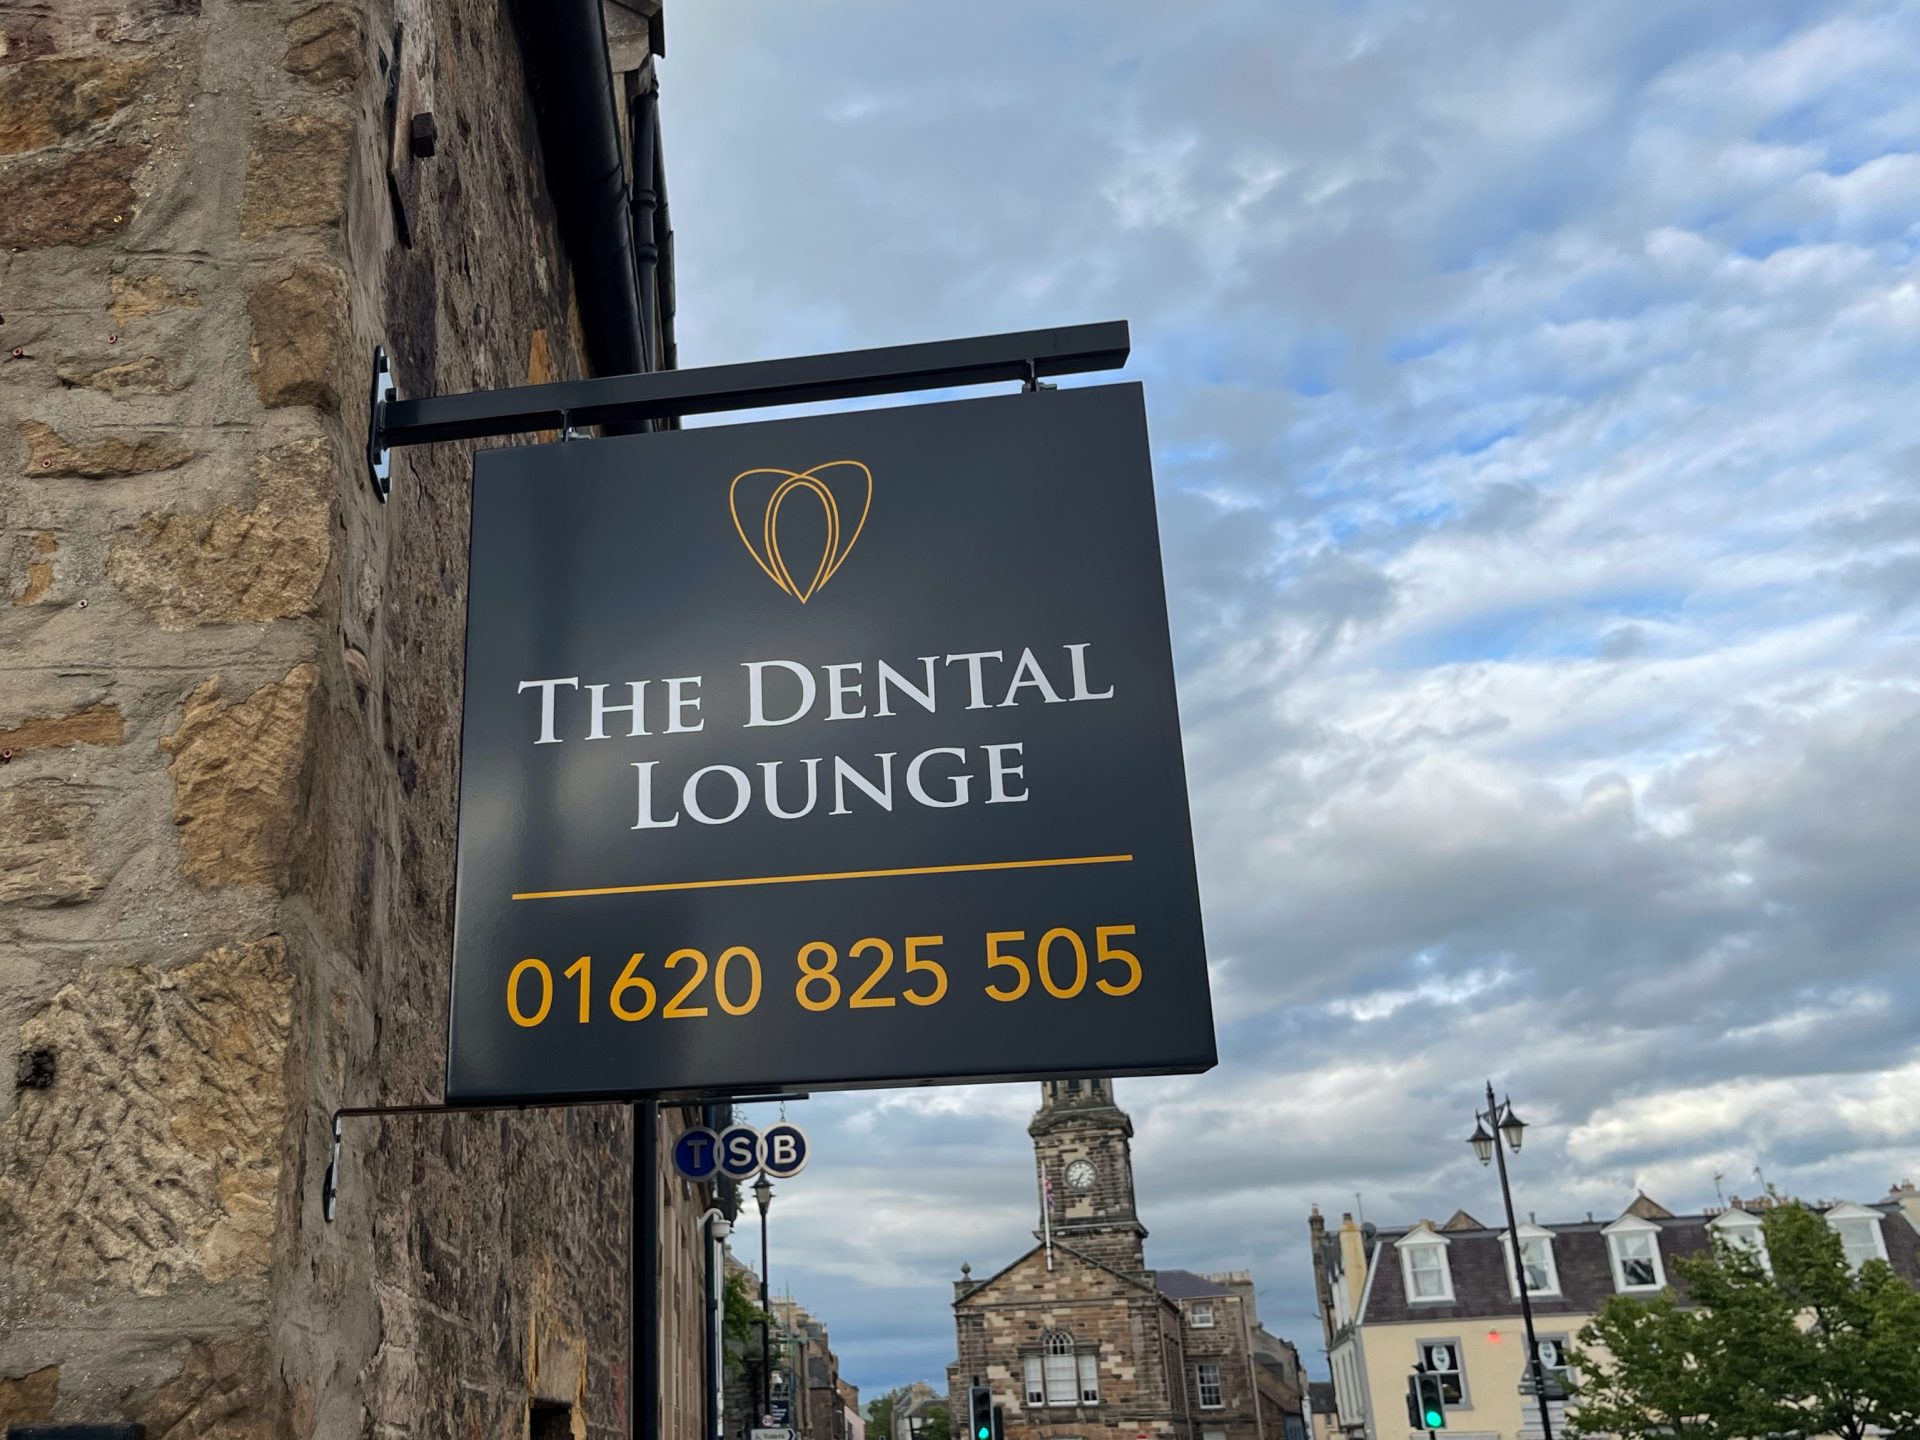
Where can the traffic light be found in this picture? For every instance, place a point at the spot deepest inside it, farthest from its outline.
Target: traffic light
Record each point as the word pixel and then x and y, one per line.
pixel 980 1411
pixel 1430 1401
pixel 999 1423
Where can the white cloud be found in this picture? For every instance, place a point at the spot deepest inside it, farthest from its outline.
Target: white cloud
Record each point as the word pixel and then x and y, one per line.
pixel 1533 390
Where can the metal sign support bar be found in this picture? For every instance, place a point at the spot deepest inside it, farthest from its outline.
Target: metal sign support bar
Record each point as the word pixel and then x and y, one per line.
pixel 1024 355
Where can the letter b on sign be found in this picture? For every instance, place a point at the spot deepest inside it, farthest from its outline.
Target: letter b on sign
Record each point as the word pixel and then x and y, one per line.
pixel 783 1150
pixel 739 1151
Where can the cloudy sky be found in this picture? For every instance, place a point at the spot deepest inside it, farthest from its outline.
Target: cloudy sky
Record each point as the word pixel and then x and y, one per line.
pixel 1535 393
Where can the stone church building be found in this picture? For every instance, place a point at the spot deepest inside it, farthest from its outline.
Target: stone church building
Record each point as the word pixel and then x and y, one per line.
pixel 1080 1340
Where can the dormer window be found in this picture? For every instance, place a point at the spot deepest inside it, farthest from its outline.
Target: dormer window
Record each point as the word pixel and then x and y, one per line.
pixel 1633 1245
pixel 1859 1232
pixel 1744 1231
pixel 1423 1266
pixel 1536 1261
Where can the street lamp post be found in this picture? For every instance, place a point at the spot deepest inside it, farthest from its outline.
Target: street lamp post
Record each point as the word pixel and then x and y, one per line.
pixel 1499 1119
pixel 763 1197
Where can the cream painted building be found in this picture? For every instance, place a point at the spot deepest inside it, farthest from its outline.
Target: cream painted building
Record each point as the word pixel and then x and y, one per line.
pixel 1447 1295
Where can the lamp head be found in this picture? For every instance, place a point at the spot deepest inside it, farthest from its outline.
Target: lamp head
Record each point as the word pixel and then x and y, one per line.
pixel 1512 1128
pixel 1482 1143
pixel 763 1193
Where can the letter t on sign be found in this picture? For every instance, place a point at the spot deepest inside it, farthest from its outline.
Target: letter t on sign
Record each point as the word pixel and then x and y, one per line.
pixel 546 689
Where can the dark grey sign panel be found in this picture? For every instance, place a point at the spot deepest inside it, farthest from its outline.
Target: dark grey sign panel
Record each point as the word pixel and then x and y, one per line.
pixel 824 752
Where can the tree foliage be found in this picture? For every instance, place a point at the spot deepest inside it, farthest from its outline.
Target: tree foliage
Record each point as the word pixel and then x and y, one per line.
pixel 740 1312
pixel 1806 1347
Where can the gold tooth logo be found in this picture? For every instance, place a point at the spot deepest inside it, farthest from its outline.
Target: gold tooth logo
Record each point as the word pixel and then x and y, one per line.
pixel 850 475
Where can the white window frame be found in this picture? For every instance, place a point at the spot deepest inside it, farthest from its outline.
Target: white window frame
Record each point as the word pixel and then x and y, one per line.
pixel 1851 1214
pixel 1201 1317
pixel 1056 1346
pixel 1200 1385
pixel 1743 1230
pixel 1565 1368
pixel 1530 1233
pixel 1423 1238
pixel 1088 1365
pixel 1459 1371
pixel 1034 1369
pixel 1633 1225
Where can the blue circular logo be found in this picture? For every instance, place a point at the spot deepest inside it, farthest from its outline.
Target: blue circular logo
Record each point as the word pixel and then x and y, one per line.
pixel 696 1154
pixel 783 1150
pixel 739 1151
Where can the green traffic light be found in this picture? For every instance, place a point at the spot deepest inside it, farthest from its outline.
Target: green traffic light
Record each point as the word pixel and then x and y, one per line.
pixel 1435 1419
pixel 985 1432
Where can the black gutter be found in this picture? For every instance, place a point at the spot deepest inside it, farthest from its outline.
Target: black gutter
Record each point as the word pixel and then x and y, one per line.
pixel 564 43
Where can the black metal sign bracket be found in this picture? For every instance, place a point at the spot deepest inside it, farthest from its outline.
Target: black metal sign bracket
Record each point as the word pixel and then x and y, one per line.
pixel 1024 356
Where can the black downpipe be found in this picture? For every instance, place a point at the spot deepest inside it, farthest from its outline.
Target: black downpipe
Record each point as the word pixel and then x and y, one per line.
pixel 646 202
pixel 565 45
pixel 643 1327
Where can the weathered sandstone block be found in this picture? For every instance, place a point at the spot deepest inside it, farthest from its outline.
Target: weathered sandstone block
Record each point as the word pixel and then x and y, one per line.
pixel 155 1154
pixel 236 776
pixel 49 453
pixel 228 564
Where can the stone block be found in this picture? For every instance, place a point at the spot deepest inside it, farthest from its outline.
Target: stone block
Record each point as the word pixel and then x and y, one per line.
pixel 155 1155
pixel 70 199
pixel 226 1390
pixel 296 174
pixel 39 569
pixel 51 454
pixel 325 45
pixel 95 725
pixel 44 101
pixel 137 296
pixel 236 775
pixel 300 336
pixel 44 859
pixel 229 564
pixel 144 376
pixel 29 1397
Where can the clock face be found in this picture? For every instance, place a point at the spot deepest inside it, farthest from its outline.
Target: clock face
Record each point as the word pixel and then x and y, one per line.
pixel 1080 1174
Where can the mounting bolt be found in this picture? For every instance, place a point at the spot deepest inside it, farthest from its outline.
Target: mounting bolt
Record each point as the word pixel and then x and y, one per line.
pixel 5 756
pixel 424 135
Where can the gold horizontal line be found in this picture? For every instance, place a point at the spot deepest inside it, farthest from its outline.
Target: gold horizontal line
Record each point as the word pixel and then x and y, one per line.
pixel 832 875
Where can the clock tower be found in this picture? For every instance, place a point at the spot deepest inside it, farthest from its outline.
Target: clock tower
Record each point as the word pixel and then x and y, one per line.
pixel 1083 1143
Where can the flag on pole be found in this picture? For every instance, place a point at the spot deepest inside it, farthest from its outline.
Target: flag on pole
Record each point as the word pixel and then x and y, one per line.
pixel 1046 1212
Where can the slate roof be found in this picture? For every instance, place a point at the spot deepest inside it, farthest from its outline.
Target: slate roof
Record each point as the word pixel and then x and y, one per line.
pixel 1185 1285
pixel 1478 1261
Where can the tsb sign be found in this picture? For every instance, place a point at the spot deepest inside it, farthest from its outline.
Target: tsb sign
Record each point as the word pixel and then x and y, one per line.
pixel 824 752
pixel 740 1151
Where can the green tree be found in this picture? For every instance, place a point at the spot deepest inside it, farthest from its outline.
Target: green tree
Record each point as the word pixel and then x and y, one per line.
pixel 1862 1341
pixel 1804 1348
pixel 936 1426
pixel 740 1312
pixel 880 1416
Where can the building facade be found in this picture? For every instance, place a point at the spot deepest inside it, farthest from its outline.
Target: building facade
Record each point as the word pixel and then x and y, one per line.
pixel 1448 1296
pixel 1079 1338
pixel 230 695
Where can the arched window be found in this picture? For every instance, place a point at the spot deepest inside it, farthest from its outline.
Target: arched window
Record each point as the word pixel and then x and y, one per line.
pixel 1060 1374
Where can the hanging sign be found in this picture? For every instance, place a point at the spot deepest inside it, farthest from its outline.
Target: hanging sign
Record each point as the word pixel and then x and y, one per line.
pixel 824 752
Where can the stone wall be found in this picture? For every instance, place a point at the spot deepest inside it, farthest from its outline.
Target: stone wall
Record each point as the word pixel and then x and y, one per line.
pixel 229 709
pixel 1135 1330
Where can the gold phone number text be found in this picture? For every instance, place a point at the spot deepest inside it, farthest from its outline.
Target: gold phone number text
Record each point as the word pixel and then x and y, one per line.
pixel 1062 964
